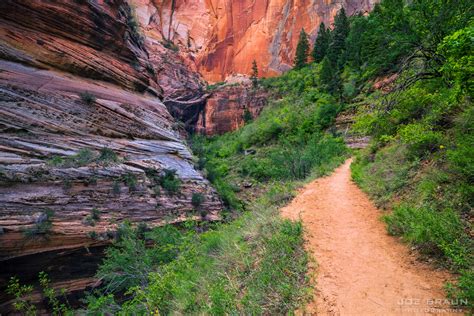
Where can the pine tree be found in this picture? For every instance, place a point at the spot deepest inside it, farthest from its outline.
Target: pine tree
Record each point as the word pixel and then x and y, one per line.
pixel 339 35
pixel 254 75
pixel 326 73
pixel 329 77
pixel 321 44
pixel 302 50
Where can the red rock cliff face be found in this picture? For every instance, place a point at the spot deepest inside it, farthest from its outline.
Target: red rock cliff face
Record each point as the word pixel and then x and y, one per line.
pixel 226 106
pixel 223 37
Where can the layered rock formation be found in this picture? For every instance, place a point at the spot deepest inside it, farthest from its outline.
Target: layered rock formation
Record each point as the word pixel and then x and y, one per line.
pixel 226 108
pixel 45 123
pixel 84 134
pixel 222 37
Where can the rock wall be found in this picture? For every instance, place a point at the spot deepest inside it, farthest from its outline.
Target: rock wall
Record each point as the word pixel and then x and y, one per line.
pixel 223 37
pixel 226 106
pixel 84 130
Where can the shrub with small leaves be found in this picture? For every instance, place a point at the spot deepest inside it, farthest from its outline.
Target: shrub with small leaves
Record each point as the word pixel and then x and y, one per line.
pixel 170 182
pixel 131 181
pixel 21 302
pixel 92 235
pixel 107 156
pixel 116 187
pixel 197 199
pixel 87 97
pixel 95 214
pixel 50 293
pixel 42 226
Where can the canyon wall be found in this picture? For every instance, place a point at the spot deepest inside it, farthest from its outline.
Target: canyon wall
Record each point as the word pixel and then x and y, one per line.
pixel 223 37
pixel 226 108
pixel 86 136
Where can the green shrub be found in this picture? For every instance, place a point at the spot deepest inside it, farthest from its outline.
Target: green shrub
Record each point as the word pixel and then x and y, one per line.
pixel 87 97
pixel 116 187
pixel 247 116
pixel 170 182
pixel 83 157
pixel 42 226
pixel 21 293
pixel 462 291
pixel 131 181
pixel 107 156
pixel 185 272
pixel 95 214
pixel 197 199
pixel 438 233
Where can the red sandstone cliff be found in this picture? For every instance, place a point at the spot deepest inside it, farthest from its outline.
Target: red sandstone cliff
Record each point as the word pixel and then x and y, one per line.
pixel 222 37
pixel 226 106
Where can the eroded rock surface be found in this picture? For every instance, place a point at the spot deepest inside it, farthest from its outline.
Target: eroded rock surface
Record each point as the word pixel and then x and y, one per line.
pixel 85 135
pixel 43 117
pixel 223 37
pixel 226 107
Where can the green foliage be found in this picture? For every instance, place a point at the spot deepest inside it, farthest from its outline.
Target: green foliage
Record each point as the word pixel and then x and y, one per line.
pixel 254 75
pixel 93 235
pixel 87 97
pixel 57 308
pixel 321 44
pixel 42 226
pixel 329 79
pixel 116 187
pixel 302 50
pixel 93 217
pixel 458 49
pixel 21 303
pixel 131 181
pixel 338 39
pixel 255 264
pixel 129 262
pixel 107 156
pixel 95 214
pixel 170 181
pixel 212 87
pixel 463 291
pixel 84 157
pixel 437 233
pixel 22 294
pixel 247 116
pixel 197 199
pixel 420 161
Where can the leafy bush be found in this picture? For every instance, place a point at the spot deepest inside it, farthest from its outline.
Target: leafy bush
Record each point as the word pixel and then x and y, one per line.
pixel 42 226
pixel 21 294
pixel 131 181
pixel 107 156
pixel 197 199
pixel 84 157
pixel 187 272
pixel 170 182
pixel 87 97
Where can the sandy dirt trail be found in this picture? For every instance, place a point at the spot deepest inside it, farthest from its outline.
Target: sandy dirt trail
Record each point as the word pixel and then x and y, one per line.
pixel 361 270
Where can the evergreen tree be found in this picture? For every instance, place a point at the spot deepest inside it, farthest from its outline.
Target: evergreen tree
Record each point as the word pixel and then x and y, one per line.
pixel 329 78
pixel 254 75
pixel 302 50
pixel 321 44
pixel 339 35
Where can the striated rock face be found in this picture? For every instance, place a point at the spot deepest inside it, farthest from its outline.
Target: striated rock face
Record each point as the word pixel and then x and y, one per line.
pixel 223 37
pixel 84 38
pixel 44 118
pixel 85 134
pixel 225 108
